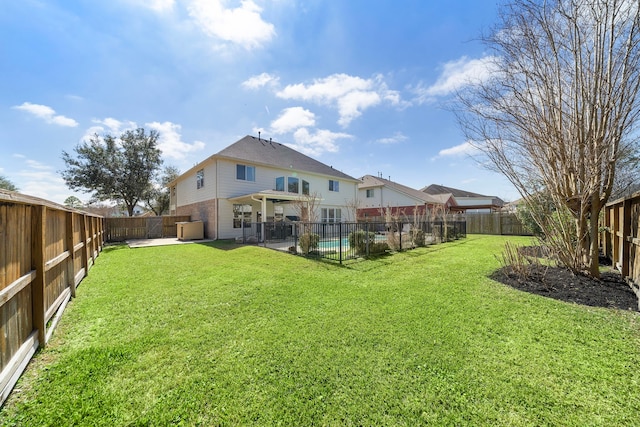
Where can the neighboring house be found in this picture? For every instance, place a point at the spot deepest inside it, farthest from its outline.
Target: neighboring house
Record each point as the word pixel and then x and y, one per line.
pixel 376 195
pixel 512 207
pixel 468 202
pixel 255 181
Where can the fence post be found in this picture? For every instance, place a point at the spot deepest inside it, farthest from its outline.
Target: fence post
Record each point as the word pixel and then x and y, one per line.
pixel 626 236
pixel 71 261
pixel 38 260
pixel 340 237
pixel 366 233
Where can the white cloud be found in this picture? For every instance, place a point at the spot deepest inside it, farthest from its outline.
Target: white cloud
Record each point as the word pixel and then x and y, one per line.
pixel 170 140
pixel 464 149
pixel 350 95
pixel 457 74
pixel 160 5
pixel 314 144
pixel 291 119
pixel 41 180
pixel 396 138
pixel 261 80
pixel 242 25
pixel 47 114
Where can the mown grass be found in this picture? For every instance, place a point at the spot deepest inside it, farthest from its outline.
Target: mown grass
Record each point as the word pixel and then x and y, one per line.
pixel 219 335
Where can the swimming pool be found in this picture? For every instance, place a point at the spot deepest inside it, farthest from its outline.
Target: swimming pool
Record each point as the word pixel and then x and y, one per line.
pixel 334 244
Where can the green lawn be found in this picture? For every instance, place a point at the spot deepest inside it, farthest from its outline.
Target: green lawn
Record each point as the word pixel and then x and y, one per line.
pixel 222 335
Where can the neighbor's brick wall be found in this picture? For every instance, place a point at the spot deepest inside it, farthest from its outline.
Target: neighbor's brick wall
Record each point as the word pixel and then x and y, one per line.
pixel 202 211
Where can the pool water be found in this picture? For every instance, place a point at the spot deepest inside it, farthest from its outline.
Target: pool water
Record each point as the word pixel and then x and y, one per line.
pixel 335 243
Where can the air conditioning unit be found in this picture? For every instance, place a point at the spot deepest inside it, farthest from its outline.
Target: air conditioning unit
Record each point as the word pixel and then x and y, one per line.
pixel 190 230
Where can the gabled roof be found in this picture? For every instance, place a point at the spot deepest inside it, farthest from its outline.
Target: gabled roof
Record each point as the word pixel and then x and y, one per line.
pixel 370 181
pixel 271 153
pixel 434 189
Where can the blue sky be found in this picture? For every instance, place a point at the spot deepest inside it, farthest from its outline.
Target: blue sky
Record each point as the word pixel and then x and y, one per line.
pixel 359 85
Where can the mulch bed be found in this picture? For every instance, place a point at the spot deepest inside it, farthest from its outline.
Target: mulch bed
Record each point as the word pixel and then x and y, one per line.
pixel 610 291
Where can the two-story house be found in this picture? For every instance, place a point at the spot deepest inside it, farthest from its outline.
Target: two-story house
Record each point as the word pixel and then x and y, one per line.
pixel 256 181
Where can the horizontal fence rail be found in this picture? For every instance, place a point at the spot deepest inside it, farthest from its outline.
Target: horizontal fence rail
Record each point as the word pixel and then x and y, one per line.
pixel 125 228
pixel 342 241
pixel 620 239
pixel 45 252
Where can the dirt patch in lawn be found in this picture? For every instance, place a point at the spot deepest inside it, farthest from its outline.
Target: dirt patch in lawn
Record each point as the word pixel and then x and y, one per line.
pixel 610 291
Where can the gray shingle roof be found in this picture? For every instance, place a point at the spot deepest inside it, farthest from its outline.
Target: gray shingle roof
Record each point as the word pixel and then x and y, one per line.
pixel 372 181
pixel 434 189
pixel 253 150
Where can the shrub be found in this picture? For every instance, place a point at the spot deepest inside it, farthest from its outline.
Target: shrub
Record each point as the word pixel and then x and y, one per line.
pixel 518 265
pixel 417 237
pixel 358 240
pixel 378 248
pixel 309 242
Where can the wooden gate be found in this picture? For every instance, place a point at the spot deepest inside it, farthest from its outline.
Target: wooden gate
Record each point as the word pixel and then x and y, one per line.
pixel 154 227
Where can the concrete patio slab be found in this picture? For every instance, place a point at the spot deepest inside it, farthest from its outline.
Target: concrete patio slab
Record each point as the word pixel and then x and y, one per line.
pixel 147 243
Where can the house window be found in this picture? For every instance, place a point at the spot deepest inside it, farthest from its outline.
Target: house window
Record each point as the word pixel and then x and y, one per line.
pixel 370 193
pixel 305 187
pixel 334 185
pixel 293 185
pixel 246 173
pixel 280 183
pixel 200 178
pixel 241 215
pixel 331 215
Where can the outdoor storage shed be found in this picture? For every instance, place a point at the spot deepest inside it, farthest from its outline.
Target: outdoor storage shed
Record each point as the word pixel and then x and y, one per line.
pixel 190 230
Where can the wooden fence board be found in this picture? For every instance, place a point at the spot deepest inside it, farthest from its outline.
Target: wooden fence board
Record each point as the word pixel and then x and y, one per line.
pixel 44 249
pixel 621 238
pixel 497 223
pixel 121 229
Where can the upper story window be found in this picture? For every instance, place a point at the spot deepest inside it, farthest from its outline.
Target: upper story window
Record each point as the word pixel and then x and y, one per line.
pixel 246 173
pixel 370 193
pixel 334 185
pixel 200 178
pixel 293 184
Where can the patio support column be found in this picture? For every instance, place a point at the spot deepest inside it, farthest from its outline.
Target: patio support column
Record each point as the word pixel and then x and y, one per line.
pixel 264 217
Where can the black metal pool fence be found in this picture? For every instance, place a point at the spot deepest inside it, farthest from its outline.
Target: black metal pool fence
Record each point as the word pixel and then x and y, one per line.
pixel 342 241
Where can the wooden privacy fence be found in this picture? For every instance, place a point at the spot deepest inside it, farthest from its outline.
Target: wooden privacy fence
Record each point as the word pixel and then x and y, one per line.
pixel 45 251
pixel 151 227
pixel 620 240
pixel 498 223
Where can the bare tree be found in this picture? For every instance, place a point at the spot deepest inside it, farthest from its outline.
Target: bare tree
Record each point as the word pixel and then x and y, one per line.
pixel 352 209
pixel 306 207
pixel 560 109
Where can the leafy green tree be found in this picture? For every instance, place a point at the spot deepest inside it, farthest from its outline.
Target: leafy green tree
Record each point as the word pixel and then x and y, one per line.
pixel 73 202
pixel 6 184
pixel 157 199
pixel 119 169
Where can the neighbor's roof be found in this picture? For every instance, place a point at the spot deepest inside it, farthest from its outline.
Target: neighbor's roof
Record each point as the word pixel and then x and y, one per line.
pixel 272 153
pixel 441 189
pixel 370 181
